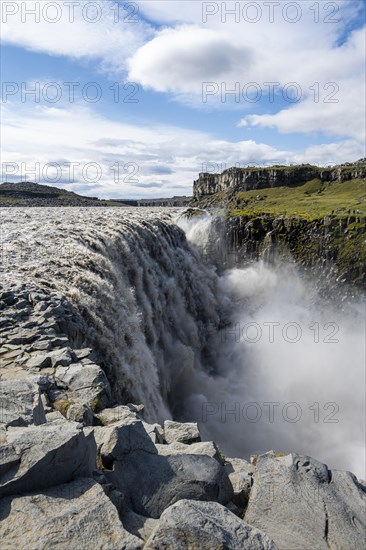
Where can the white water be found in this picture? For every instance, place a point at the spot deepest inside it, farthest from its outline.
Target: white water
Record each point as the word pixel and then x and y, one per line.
pixel 176 336
pixel 292 367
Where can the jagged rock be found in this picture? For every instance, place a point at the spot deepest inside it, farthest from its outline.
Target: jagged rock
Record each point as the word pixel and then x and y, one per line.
pixel 72 515
pixel 61 357
pixel 240 473
pixel 82 353
pixel 155 432
pixel 8 298
pixel 41 345
pixel 39 361
pixel 207 448
pixel 38 457
pixel 299 503
pixel 41 306
pixel 137 525
pixel 55 417
pixel 167 479
pixel 117 414
pixel 181 432
pixel 20 403
pixel 87 382
pixel 79 412
pixel 120 439
pixel 22 336
pixel 60 341
pixel 137 408
pixel 21 304
pixel 205 526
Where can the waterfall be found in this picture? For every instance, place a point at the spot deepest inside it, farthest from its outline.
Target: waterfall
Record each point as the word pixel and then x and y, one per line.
pixel 181 328
pixel 149 302
pixel 290 363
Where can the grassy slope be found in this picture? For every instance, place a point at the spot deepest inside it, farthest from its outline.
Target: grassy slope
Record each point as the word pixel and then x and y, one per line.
pixel 313 200
pixel 341 241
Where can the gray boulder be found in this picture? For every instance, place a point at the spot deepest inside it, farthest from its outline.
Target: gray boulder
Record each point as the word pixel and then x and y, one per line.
pixel 207 448
pixel 119 440
pixel 38 457
pixel 81 413
pixel 151 482
pixel 191 525
pixel 117 414
pixel 155 432
pixel 299 503
pixel 72 515
pixel 138 525
pixel 39 361
pixel 181 432
pixel 20 403
pixel 88 383
pixel 240 473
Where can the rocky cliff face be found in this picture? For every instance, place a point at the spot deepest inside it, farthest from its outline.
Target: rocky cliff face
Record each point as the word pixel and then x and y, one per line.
pixel 246 179
pixel 328 247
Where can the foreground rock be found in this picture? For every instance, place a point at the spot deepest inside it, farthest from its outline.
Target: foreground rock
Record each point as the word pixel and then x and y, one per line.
pixel 240 473
pixel 207 448
pixel 72 515
pixel 181 432
pixel 39 457
pixel 20 403
pixel 299 503
pixel 151 482
pixel 77 472
pixel 169 479
pixel 205 526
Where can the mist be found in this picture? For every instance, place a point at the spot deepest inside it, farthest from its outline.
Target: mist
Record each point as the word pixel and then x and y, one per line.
pixel 289 366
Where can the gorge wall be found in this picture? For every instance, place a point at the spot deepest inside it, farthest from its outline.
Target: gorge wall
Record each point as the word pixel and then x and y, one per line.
pixel 329 248
pixel 246 179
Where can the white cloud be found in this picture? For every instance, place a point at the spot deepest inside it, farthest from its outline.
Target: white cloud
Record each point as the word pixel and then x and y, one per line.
pixel 179 58
pixel 111 38
pixel 144 154
pixel 244 52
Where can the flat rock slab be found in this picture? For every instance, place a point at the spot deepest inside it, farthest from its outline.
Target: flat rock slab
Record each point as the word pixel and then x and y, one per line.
pixel 299 503
pixel 73 515
pixel 207 448
pixel 191 525
pixel 181 432
pixel 38 457
pixel 20 403
pixel 117 414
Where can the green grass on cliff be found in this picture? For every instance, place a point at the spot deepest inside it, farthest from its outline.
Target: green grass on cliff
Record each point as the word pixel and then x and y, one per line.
pixel 313 200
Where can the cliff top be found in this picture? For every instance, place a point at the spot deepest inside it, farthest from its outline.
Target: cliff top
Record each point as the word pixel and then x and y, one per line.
pixel 313 200
pixel 293 167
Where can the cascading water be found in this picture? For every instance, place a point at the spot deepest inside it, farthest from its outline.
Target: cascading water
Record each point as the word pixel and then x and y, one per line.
pixel 290 363
pixel 181 336
pixel 146 296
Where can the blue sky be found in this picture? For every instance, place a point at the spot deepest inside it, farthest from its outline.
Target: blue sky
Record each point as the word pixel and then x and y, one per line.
pixel 171 62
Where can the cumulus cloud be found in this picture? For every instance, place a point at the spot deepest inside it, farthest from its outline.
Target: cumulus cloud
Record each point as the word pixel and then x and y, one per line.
pixel 328 70
pixel 130 157
pixel 311 116
pixel 180 57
